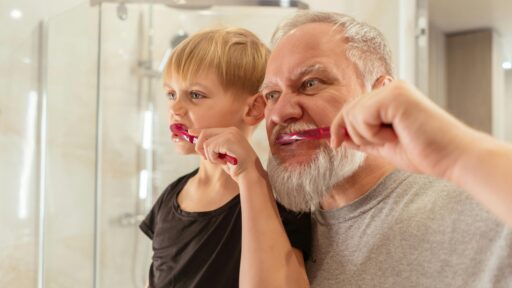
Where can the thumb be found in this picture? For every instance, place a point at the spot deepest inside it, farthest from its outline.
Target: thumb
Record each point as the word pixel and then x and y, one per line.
pixel 194 131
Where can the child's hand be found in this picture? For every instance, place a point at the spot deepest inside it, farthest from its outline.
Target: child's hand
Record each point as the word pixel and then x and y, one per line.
pixel 230 141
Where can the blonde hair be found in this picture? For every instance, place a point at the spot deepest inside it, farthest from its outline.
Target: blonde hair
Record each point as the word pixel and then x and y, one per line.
pixel 366 46
pixel 235 55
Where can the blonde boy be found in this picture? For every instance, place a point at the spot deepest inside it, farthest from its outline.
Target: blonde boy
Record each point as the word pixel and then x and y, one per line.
pixel 212 81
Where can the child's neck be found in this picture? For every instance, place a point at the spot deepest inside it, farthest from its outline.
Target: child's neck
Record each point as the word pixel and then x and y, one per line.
pixel 214 179
pixel 209 189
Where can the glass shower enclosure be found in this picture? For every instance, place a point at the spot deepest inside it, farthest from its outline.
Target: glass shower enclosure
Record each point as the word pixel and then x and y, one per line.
pixel 84 142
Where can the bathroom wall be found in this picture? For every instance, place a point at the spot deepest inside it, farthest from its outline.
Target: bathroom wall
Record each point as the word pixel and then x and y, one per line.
pixel 508 106
pixel 70 159
pixel 23 78
pixel 437 66
pixel 18 155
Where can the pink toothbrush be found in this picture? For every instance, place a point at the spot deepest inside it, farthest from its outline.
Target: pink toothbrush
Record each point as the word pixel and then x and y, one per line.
pixel 310 134
pixel 182 131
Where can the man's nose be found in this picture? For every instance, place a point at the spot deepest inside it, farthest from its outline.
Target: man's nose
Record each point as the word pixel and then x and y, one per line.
pixel 287 109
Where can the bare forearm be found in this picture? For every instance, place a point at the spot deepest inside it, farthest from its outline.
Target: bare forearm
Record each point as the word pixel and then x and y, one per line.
pixel 268 259
pixel 485 171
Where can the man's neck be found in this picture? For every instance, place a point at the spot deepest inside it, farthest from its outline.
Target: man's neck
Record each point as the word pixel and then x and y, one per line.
pixel 373 170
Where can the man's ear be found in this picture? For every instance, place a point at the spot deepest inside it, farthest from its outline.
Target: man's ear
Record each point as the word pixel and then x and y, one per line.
pixel 255 109
pixel 382 81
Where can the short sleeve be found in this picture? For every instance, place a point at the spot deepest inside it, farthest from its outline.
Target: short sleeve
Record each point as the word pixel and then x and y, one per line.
pixel 298 229
pixel 149 223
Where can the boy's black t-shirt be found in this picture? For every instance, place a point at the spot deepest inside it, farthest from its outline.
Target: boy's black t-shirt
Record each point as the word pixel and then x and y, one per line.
pixel 203 249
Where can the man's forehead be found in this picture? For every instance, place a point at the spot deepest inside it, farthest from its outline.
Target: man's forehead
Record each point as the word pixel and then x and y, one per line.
pixel 308 69
pixel 295 73
pixel 294 49
pixel 309 48
pixel 313 34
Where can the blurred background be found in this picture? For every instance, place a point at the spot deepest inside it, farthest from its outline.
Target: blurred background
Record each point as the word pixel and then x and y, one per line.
pixel 84 142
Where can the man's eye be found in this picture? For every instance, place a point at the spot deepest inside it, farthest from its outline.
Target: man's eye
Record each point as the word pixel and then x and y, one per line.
pixel 171 95
pixel 272 96
pixel 195 95
pixel 310 83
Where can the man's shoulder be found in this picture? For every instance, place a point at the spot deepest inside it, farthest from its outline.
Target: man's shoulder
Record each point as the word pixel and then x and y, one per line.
pixel 420 195
pixel 424 185
pixel 439 199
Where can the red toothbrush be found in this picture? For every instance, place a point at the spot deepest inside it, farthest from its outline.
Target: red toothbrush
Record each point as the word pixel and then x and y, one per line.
pixel 182 131
pixel 310 134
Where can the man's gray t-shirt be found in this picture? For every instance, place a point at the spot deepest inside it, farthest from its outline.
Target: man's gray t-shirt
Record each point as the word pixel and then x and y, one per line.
pixel 410 231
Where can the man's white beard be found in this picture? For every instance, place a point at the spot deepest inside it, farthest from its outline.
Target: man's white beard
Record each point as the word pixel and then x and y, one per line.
pixel 301 188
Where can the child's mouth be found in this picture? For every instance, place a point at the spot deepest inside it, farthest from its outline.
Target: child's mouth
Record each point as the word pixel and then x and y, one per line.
pixel 181 132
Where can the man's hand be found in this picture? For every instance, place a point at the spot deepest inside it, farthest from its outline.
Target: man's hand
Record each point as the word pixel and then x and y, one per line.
pixel 400 124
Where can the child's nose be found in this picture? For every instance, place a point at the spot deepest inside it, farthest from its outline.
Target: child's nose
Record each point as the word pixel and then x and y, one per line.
pixel 177 108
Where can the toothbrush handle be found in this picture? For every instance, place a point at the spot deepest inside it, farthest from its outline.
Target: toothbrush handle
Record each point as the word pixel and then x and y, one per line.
pixel 230 159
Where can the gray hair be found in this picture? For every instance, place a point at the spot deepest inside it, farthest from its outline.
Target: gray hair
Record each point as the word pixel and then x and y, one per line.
pixel 366 46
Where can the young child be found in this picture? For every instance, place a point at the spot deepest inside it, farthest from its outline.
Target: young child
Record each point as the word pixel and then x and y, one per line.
pixel 212 81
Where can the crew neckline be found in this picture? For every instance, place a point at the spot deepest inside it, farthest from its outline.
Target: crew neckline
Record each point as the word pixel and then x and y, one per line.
pixel 199 214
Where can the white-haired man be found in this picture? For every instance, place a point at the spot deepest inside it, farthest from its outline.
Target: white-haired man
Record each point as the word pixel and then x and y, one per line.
pixel 373 225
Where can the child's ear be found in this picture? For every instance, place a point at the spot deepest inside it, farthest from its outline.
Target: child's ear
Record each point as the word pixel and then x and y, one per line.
pixel 255 109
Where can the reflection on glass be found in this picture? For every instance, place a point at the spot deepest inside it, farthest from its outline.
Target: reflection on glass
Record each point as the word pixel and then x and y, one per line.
pixel 28 157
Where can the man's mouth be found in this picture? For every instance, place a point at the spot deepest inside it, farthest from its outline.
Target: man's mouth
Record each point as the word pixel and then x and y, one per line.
pixel 308 134
pixel 283 141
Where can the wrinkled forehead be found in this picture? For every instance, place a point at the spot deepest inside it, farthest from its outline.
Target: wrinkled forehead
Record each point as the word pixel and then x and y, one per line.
pixel 312 36
pixel 315 44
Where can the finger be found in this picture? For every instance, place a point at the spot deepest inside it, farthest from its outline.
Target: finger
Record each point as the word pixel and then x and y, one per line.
pixel 194 131
pixel 201 139
pixel 371 119
pixel 350 118
pixel 355 136
pixel 212 152
pixel 337 130
pixel 373 134
pixel 364 117
pixel 386 134
pixel 219 148
pixel 205 135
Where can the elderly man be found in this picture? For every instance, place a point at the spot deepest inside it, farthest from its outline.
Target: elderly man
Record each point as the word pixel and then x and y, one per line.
pixel 373 225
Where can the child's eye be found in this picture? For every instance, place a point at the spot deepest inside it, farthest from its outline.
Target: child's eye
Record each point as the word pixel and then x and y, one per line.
pixel 171 95
pixel 196 96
